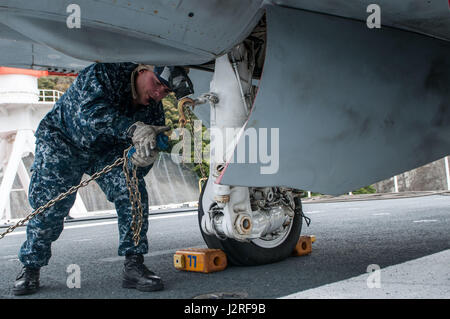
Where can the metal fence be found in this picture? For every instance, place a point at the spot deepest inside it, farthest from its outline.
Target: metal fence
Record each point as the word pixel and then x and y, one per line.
pixel 49 96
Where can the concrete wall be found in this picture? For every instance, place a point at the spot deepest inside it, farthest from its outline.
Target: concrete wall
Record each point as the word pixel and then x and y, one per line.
pixel 430 177
pixel 167 183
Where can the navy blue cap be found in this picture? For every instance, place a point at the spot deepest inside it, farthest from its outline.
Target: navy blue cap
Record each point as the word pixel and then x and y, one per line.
pixel 163 74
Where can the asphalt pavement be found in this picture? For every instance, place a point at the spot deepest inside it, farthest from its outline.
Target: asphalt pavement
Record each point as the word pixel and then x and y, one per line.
pixel 405 239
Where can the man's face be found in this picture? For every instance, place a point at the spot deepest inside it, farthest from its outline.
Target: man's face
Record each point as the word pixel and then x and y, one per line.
pixel 148 88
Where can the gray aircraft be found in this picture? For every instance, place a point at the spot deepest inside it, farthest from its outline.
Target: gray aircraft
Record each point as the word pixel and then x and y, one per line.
pixel 326 96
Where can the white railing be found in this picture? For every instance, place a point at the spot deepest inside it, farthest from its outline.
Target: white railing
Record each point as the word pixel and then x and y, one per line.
pixel 49 96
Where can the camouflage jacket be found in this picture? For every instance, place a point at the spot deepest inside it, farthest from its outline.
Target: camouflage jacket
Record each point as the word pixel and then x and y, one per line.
pixel 96 111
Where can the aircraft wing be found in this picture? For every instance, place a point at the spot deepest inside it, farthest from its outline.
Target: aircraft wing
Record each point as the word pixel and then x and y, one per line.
pixel 352 105
pixel 154 32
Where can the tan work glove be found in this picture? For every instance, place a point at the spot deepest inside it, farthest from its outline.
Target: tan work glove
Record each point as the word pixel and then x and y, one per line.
pixel 143 137
pixel 144 161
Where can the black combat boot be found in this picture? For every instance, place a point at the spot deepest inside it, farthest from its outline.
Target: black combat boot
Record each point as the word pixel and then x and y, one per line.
pixel 136 275
pixel 27 282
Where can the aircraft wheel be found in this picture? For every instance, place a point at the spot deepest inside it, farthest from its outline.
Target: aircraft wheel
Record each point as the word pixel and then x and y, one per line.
pixel 260 251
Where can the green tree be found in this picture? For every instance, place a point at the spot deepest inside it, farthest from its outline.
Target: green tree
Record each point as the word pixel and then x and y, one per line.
pixel 365 190
pixel 170 104
pixel 59 83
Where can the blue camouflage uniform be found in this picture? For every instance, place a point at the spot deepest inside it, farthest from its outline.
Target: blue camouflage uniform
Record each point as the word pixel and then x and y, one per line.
pixel 85 131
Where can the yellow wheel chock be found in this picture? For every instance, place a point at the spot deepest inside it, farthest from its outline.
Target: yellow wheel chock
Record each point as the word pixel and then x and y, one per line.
pixel 203 260
pixel 304 245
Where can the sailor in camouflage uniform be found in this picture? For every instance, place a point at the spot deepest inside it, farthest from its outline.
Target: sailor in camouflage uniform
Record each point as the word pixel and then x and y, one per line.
pixel 109 107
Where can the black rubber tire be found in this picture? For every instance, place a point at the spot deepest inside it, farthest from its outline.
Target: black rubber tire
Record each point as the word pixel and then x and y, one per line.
pixel 249 254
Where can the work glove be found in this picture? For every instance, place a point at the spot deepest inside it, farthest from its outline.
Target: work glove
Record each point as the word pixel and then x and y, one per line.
pixel 145 140
pixel 142 161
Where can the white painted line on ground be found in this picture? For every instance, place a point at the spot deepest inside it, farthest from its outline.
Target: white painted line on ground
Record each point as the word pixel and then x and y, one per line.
pixel 381 214
pixel 423 278
pixel 114 222
pixel 8 256
pixel 91 225
pixel 314 212
pixel 8 246
pixel 173 215
pixel 425 221
pixel 151 254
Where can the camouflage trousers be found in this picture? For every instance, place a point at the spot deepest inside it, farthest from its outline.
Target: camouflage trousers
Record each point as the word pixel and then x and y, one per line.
pixel 57 167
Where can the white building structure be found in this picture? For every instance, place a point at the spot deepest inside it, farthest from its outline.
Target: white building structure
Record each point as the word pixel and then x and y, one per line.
pixel 22 106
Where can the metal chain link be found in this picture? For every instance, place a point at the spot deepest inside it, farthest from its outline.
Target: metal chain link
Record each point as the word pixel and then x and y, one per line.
pixel 132 185
pixel 186 117
pixel 135 199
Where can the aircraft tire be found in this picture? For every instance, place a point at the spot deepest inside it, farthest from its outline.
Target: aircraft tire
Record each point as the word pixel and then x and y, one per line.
pixel 248 253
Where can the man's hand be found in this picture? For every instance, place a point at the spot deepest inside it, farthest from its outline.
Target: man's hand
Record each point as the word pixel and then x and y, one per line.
pixel 143 137
pixel 144 161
